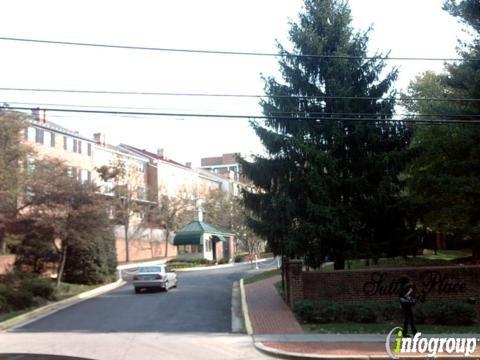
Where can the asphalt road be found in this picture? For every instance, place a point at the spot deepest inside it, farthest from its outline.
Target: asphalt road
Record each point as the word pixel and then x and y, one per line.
pixel 201 303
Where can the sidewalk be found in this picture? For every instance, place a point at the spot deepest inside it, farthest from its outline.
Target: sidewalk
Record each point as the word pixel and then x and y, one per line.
pixel 277 332
pixel 268 312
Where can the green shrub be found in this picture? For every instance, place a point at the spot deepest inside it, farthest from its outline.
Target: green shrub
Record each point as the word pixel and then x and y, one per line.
pixel 223 261
pixel 4 306
pixel 329 311
pixel 447 313
pixel 39 287
pixel 18 299
pixel 326 312
pixel 391 312
pixel 304 309
pixel 433 313
pixel 367 313
pixel 91 258
pixel 239 258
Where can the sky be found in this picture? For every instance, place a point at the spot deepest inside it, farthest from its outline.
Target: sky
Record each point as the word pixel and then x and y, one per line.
pixel 407 28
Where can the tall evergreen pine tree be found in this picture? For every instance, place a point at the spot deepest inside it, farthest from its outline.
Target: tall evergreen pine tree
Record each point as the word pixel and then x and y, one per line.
pixel 329 187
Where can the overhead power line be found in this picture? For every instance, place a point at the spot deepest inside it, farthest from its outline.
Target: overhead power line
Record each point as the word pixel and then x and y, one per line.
pixel 273 113
pixel 222 52
pixel 180 94
pixel 251 117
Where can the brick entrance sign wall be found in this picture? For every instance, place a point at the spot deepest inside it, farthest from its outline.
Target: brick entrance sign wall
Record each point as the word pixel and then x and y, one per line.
pixel 433 284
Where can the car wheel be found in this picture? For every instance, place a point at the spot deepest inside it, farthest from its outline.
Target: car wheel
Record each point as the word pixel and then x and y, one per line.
pixel 137 290
pixel 166 286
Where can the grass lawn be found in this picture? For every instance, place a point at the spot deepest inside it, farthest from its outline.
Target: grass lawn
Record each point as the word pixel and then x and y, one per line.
pixel 448 255
pixel 66 290
pixel 9 315
pixel 443 257
pixel 261 276
pixel 358 328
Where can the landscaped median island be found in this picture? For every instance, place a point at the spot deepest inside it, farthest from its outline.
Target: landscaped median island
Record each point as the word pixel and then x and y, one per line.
pixel 190 263
pixel 23 292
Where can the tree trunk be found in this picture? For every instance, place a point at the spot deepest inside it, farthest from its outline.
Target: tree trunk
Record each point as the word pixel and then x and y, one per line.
pixel 339 263
pixel 440 243
pixel 166 242
pixel 3 242
pixel 476 251
pixel 63 258
pixel 127 247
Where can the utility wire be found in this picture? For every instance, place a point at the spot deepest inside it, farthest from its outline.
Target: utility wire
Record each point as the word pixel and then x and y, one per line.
pixel 252 117
pixel 221 52
pixel 272 114
pixel 306 97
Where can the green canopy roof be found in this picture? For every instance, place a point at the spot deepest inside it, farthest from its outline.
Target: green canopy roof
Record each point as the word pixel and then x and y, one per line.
pixel 192 233
pixel 218 238
pixel 188 239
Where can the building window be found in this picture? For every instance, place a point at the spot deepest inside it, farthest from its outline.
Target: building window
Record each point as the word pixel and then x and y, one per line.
pixel 141 193
pixel 190 249
pixel 47 138
pixel 109 186
pixel 70 144
pixel 30 165
pixel 85 176
pixel 79 146
pixel 39 136
pixel 31 134
pixel 208 245
pixel 89 149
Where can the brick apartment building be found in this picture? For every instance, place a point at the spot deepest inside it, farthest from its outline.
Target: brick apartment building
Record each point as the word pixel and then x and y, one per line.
pixel 155 174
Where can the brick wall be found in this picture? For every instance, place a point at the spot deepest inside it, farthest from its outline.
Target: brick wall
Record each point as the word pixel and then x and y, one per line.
pixel 211 161
pixel 143 250
pixel 433 284
pixel 295 283
pixel 6 263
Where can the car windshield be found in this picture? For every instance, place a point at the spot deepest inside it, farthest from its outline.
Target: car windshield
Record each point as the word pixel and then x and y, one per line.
pixel 150 269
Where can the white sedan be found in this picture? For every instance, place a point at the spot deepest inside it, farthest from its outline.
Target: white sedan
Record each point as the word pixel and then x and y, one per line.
pixel 154 276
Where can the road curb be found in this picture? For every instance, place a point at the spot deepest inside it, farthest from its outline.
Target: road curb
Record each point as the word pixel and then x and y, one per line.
pixel 294 355
pixel 49 309
pixel 246 317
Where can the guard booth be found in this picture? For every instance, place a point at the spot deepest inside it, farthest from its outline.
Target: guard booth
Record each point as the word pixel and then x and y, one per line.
pixel 200 240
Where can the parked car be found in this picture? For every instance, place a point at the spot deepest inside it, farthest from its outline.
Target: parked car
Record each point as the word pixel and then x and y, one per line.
pixel 154 276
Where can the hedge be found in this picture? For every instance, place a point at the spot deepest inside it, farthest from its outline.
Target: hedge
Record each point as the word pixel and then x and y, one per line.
pixel 453 313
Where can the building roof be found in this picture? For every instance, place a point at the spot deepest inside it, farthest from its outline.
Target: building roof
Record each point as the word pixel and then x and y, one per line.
pixel 212 176
pixel 203 227
pixel 59 129
pixel 192 234
pixel 153 155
